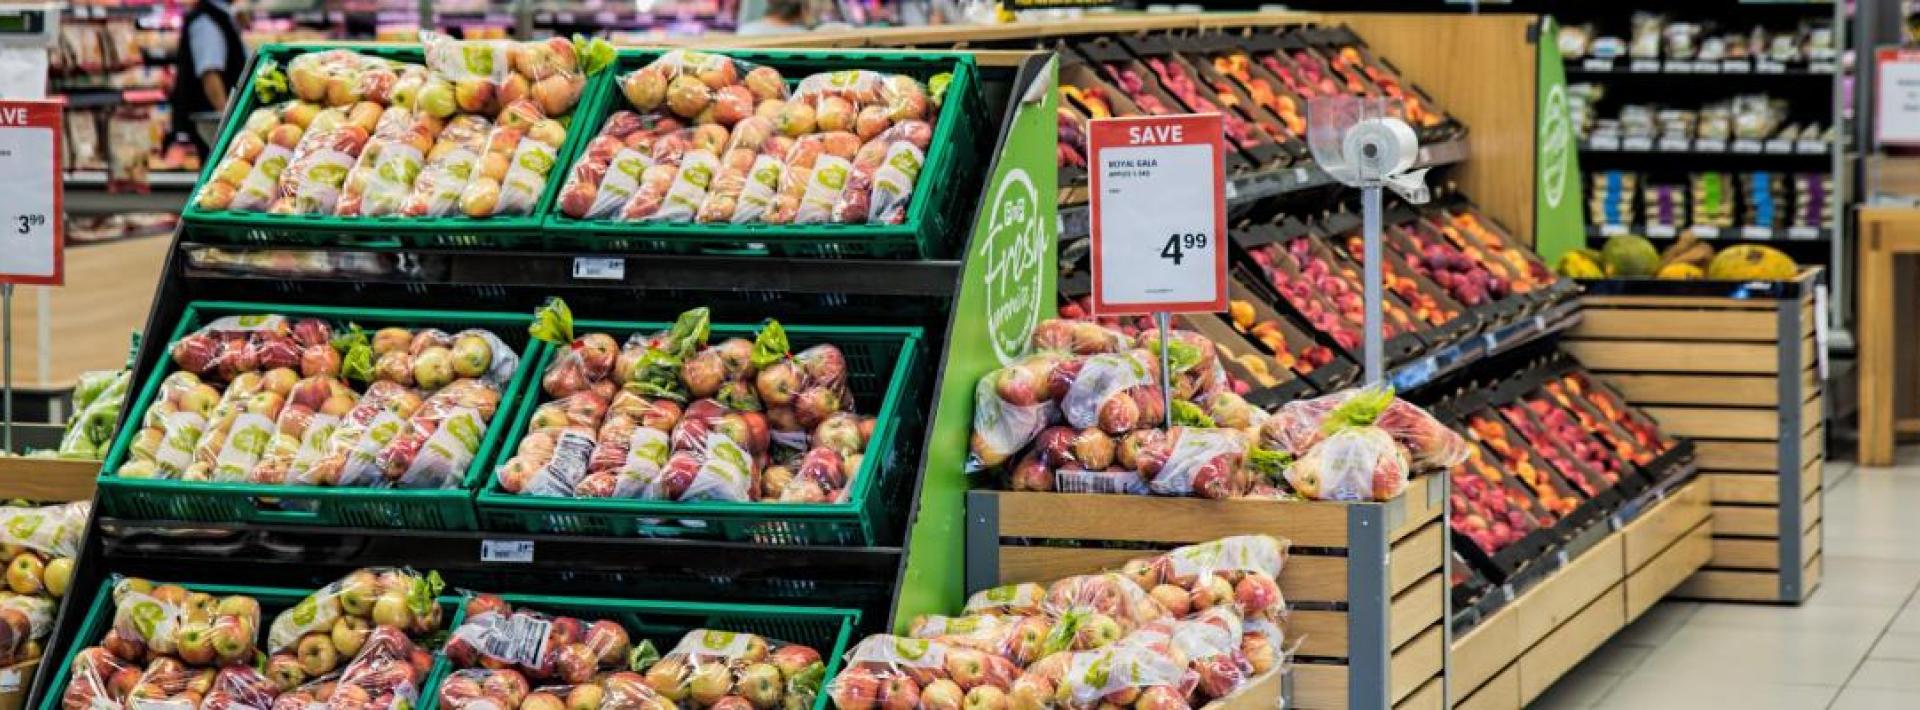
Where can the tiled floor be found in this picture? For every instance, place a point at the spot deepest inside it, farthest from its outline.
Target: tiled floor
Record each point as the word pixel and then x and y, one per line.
pixel 1854 646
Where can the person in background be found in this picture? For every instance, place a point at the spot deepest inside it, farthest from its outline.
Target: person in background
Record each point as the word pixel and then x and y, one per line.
pixel 207 67
pixel 782 17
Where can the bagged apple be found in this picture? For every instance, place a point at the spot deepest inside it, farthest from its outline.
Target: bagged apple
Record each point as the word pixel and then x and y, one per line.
pixel 565 649
pixel 1102 394
pixel 25 622
pixel 1075 337
pixel 651 365
pixel 1210 641
pixel 387 673
pixel 317 171
pixel 1124 674
pixel 451 163
pixel 702 86
pixel 240 687
pixel 393 159
pixel 1011 406
pixel 1021 599
pixel 608 172
pixel 441 438
pixel 483 689
pixel 332 77
pixel 1208 463
pixel 825 178
pixel 892 671
pixel 707 666
pixel 1352 464
pixel 396 597
pixel 311 695
pixel 708 465
pixel 882 174
pixel 247 176
pixel 1020 639
pixel 1096 610
pixel 861 100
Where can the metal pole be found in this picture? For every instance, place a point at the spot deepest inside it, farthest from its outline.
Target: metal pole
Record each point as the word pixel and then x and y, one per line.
pixel 6 345
pixel 1163 320
pixel 1370 223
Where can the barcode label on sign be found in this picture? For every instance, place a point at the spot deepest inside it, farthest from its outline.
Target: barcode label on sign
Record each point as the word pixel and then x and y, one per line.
pixel 506 550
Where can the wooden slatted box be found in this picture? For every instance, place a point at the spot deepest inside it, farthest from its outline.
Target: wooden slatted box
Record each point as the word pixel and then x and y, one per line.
pixel 1362 580
pixel 1733 366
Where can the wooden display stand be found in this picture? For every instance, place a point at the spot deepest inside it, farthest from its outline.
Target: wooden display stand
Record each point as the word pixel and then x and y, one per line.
pixel 1739 376
pixel 1515 654
pixel 1363 581
pixel 39 481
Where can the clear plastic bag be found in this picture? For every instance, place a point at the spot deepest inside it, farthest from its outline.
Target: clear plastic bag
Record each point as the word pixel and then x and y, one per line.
pixel 335 77
pixel 240 688
pixel 51 530
pixel 1299 426
pixel 608 172
pixel 316 173
pixel 883 669
pixel 1208 463
pixel 441 438
pixel 483 689
pixel 708 665
pixel 1096 610
pixel 406 595
pixel 387 674
pixel 702 86
pixel 245 178
pixel 895 154
pixel 451 163
pixel 393 159
pixel 1101 394
pixel 1022 599
pixel 1210 641
pixel 25 621
pixel 1011 406
pixel 1124 674
pixel 1352 464
pixel 1076 337
pixel 1018 638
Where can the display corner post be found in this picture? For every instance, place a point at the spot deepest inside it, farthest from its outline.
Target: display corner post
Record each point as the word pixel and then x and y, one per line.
pixel 1007 286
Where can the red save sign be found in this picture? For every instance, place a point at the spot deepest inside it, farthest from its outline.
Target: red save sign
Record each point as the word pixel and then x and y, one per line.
pixel 1158 214
pixel 30 217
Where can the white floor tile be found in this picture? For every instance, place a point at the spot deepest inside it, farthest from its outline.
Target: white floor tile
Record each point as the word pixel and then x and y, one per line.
pixel 1643 692
pixel 1897 645
pixel 1876 699
pixel 1822 615
pixel 1658 624
pixel 1887 674
pixel 1731 655
pixel 1576 690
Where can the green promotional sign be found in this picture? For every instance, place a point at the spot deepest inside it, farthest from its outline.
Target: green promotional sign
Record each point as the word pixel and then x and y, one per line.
pixel 1008 286
pixel 1558 224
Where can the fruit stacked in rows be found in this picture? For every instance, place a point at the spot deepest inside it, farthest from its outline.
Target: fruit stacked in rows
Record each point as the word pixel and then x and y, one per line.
pixel 474 131
pixel 1358 444
pixel 1551 447
pixel 1430 308
pixel 39 544
pixel 1085 413
pixel 1646 438
pixel 287 415
pixel 1177 80
pixel 347 647
pixel 759 423
pixel 1563 427
pixel 1511 454
pixel 1621 444
pixel 1523 272
pixel 1164 633
pixel 1307 295
pixel 596 666
pixel 712 139
pixel 1302 356
pixel 1237 65
pixel 1446 265
pixel 1342 286
pixel 1488 508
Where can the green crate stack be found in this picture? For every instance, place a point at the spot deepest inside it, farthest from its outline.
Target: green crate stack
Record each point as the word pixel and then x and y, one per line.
pixel 939 211
pixel 880 363
pixel 827 630
pixel 439 509
pixel 500 232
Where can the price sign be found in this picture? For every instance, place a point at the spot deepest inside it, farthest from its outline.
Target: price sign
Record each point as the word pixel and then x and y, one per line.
pixel 1158 218
pixel 30 217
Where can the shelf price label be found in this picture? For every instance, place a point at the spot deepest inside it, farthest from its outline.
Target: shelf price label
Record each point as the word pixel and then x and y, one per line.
pixel 1158 215
pixel 30 218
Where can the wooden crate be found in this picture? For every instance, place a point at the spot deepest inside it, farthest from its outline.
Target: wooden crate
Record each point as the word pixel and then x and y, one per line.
pixel 1516 653
pixel 1739 376
pixel 1363 580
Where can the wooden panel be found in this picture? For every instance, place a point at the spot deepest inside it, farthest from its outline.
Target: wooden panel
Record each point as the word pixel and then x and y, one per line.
pixel 1541 665
pixel 1087 516
pixel 1731 585
pixel 1319 685
pixel 1813 444
pixel 1651 583
pixel 1415 610
pixel 1743 488
pixel 1480 654
pixel 1322 634
pixel 1657 529
pixel 1810 577
pixel 1415 557
pixel 1746 553
pixel 1428 697
pixel 1810 511
pixel 1415 662
pixel 1262 693
pixel 1810 415
pixel 1501 693
pixel 1724 390
pixel 1675 324
pixel 1304 578
pixel 1675 357
pixel 1411 512
pixel 1706 423
pixel 1810 544
pixel 1737 304
pixel 1484 76
pixel 1737 455
pixel 1565 593
pixel 47 480
pixel 108 293
pixel 1746 520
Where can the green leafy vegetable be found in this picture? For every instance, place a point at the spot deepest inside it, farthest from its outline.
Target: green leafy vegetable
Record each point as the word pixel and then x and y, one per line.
pixel 552 322
pixel 1359 410
pixel 770 345
pixel 1186 413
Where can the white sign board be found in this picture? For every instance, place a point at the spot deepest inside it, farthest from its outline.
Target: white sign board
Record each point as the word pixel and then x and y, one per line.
pixel 1159 219
pixel 30 218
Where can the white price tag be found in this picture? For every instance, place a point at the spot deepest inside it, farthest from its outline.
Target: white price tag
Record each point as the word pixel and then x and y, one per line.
pixel 1779 146
pixel 1736 66
pixel 30 233
pixel 1603 143
pixel 1591 64
pixel 1660 230
pixel 1679 66
pixel 1612 230
pixel 610 268
pixel 1706 231
pixel 1803 233
pixel 1768 67
pixel 506 551
pixel 1746 145
pixel 1820 68
pixel 1650 66
pixel 1812 147
pixel 1706 67
pixel 1157 214
pixel 1710 145
pixel 1636 143
pixel 1671 144
pixel 1752 232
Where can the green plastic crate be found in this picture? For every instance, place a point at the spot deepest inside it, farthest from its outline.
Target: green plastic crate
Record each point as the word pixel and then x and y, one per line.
pixel 448 509
pixel 880 363
pixel 941 207
pixel 98 620
pixel 370 232
pixel 827 630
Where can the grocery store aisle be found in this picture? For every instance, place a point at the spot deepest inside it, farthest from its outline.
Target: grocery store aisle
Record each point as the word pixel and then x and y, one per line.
pixel 1854 646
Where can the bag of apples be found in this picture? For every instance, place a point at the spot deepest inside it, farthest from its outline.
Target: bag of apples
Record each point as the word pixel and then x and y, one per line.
pixel 1020 599
pixel 562 648
pixel 387 673
pixel 375 596
pixel 1208 463
pixel 1020 639
pixel 1095 610
pixel 1301 425
pixel 708 666
pixel 1237 572
pixel 1011 406
pixel 898 672
pixel 1115 393
pixel 1143 672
